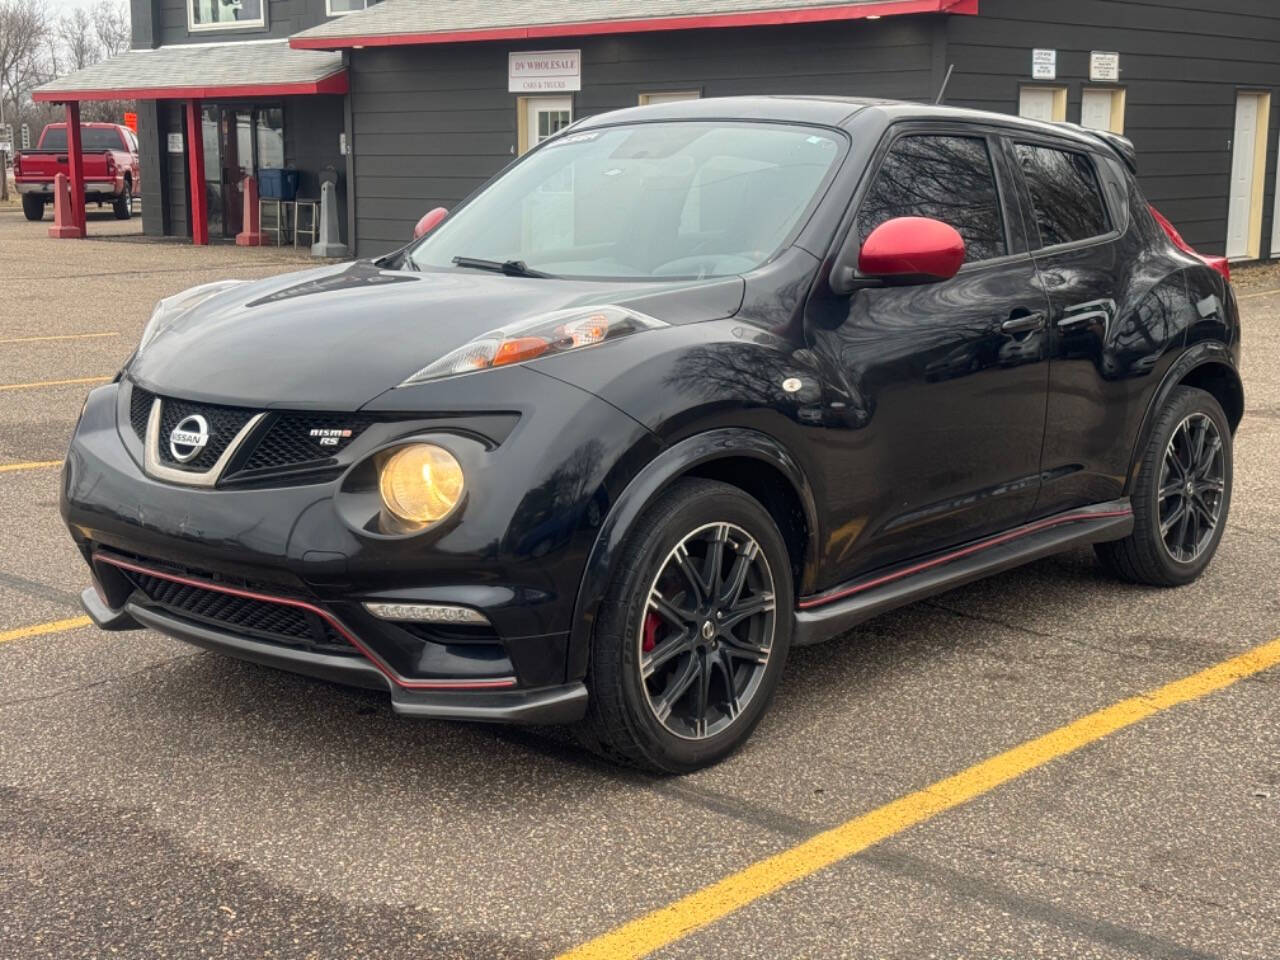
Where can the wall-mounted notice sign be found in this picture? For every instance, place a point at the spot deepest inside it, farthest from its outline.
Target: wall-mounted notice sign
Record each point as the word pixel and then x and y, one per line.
pixel 548 71
pixel 175 143
pixel 1104 67
pixel 1044 64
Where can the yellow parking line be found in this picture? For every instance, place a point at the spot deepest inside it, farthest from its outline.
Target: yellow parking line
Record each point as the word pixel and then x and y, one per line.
pixel 664 926
pixel 40 629
pixel 51 383
pixel 64 336
pixel 33 465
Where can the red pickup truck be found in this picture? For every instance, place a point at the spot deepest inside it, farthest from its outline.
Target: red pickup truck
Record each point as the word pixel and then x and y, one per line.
pixel 111 170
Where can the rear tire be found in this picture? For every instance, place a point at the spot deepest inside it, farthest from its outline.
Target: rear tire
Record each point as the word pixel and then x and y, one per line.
pixel 1181 496
pixel 32 207
pixel 123 205
pixel 705 554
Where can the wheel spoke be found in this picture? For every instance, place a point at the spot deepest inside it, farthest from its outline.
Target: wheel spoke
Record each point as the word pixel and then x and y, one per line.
pixel 664 652
pixel 677 689
pixel 724 660
pixel 669 612
pixel 1167 524
pixel 1208 457
pixel 711 577
pixel 1171 490
pixel 745 610
pixel 737 579
pixel 702 701
pixel 1197 442
pixel 685 563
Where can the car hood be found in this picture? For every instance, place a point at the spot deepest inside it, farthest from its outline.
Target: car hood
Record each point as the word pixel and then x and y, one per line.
pixel 336 337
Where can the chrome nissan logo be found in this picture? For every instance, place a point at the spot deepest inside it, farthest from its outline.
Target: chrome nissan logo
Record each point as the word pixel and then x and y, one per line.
pixel 188 438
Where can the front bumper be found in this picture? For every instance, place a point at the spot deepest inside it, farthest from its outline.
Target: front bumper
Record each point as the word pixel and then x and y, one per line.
pixel 548 705
pixel 274 572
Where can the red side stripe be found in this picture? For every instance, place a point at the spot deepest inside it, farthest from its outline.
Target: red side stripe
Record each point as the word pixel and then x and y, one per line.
pixel 841 593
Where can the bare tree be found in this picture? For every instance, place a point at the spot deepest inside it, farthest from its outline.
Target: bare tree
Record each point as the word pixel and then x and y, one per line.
pixel 79 39
pixel 111 26
pixel 24 29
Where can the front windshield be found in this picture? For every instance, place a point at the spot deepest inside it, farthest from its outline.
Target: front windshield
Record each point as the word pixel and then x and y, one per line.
pixel 653 200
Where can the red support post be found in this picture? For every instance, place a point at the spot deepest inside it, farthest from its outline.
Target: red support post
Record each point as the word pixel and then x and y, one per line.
pixel 195 169
pixel 75 165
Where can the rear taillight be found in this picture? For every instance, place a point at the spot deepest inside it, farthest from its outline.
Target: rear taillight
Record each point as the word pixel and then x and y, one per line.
pixel 1219 264
pixel 111 163
pixel 17 164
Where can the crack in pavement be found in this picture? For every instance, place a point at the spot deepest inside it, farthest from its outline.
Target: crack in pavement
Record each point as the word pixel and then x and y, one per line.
pixel 115 678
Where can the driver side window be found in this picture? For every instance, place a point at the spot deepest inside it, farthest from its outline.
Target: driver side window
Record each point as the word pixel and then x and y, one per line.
pixel 943 178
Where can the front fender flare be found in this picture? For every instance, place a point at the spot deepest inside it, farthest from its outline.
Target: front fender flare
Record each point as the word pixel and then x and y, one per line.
pixel 673 462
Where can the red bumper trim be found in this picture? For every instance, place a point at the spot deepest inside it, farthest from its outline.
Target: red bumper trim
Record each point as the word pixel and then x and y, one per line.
pixel 329 618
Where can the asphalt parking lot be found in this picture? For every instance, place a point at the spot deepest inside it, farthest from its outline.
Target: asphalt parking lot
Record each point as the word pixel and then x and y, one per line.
pixel 156 800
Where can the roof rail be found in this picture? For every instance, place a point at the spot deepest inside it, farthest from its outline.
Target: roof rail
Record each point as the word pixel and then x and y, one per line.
pixel 1121 146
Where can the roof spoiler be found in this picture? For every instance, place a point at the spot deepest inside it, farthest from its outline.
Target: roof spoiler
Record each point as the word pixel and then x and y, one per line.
pixel 1121 146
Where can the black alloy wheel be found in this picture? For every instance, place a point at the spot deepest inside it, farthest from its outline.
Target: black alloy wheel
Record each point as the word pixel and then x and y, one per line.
pixel 1192 485
pixel 1181 495
pixel 693 633
pixel 707 634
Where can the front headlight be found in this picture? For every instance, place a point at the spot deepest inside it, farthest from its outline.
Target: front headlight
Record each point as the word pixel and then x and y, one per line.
pixel 421 483
pixel 171 309
pixel 543 335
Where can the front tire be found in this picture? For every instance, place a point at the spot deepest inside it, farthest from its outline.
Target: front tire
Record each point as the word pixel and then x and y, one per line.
pixel 1181 497
pixel 32 207
pixel 693 633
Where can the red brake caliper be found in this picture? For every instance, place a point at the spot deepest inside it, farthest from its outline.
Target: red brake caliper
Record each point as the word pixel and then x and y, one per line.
pixel 651 623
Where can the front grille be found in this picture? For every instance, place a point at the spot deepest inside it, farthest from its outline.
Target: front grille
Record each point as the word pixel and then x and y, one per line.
pixel 224 424
pixel 258 619
pixel 140 410
pixel 289 442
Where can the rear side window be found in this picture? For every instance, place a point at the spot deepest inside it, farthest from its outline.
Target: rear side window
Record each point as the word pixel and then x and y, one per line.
pixel 1065 193
pixel 944 178
pixel 92 140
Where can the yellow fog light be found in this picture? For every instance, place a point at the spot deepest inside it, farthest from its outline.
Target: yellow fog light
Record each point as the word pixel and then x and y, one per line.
pixel 421 483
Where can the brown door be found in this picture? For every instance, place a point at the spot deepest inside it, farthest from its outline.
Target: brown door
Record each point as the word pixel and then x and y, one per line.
pixel 235 136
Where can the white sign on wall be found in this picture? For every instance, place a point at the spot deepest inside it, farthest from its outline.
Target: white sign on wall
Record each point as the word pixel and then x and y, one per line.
pixel 1104 67
pixel 26 137
pixel 549 71
pixel 1044 64
pixel 175 143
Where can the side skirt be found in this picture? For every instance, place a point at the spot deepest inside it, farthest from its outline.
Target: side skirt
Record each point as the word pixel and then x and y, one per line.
pixel 826 615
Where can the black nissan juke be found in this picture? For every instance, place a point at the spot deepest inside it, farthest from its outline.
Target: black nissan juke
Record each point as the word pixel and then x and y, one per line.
pixel 684 387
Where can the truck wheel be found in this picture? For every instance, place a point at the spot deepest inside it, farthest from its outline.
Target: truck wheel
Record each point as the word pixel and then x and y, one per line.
pixel 32 206
pixel 124 203
pixel 1181 496
pixel 691 637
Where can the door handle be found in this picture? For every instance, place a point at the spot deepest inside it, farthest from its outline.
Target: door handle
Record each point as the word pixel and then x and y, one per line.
pixel 1023 321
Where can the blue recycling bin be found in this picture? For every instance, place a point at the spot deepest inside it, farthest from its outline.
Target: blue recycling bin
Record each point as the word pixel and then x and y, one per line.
pixel 276 183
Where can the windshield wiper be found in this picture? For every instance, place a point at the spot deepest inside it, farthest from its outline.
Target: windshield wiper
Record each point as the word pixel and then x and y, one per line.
pixel 512 268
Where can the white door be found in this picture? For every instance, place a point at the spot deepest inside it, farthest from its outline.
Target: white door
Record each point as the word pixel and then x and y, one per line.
pixel 1243 146
pixel 1036 103
pixel 1095 110
pixel 547 116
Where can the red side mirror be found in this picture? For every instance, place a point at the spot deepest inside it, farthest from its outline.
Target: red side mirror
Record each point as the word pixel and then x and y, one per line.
pixel 429 222
pixel 912 250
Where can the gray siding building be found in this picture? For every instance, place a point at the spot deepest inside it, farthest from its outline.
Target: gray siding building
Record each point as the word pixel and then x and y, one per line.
pixel 412 104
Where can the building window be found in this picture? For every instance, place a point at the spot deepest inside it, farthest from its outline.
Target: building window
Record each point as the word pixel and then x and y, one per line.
pixel 336 8
pixel 1102 108
pixel 1043 103
pixel 668 96
pixel 225 14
